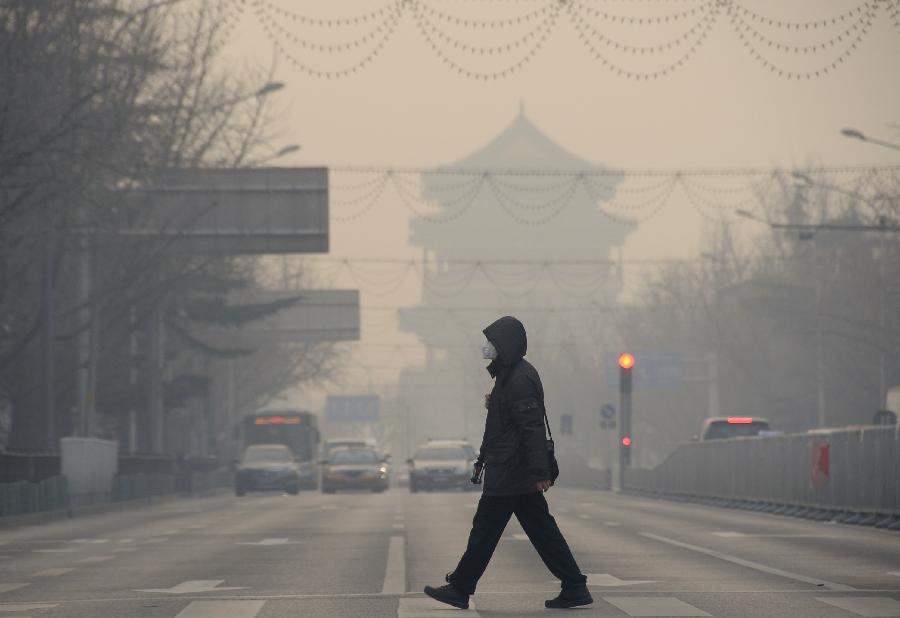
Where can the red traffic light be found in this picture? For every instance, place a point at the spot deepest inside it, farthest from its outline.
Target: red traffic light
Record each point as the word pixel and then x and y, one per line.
pixel 626 441
pixel 626 360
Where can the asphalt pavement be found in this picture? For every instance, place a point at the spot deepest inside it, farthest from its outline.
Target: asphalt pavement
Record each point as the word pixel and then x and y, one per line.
pixel 363 554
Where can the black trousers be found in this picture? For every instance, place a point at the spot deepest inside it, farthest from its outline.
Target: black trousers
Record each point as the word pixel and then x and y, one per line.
pixel 534 515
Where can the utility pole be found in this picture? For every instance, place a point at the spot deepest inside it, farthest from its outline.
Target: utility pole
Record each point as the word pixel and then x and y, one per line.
pixel 882 322
pixel 48 336
pixel 713 376
pixel 820 352
pixel 155 378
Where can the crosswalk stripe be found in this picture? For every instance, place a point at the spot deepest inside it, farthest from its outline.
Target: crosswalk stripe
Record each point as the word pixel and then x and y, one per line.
pixel 865 606
pixel 429 608
pixel 26 607
pixel 654 606
pixel 222 609
pixel 10 587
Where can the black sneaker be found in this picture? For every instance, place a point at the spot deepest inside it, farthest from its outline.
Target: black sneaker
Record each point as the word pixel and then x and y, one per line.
pixel 570 597
pixel 449 595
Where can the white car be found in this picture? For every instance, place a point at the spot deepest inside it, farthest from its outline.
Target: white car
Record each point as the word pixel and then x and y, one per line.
pixel 442 464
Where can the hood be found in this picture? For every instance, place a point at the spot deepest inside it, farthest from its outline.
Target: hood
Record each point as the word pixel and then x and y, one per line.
pixel 431 464
pixel 268 465
pixel 508 336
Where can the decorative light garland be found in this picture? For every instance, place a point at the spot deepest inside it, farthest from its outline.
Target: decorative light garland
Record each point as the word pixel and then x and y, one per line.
pixel 623 196
pixel 586 18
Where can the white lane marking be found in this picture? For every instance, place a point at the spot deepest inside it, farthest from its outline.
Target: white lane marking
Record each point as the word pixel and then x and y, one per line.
pixel 519 536
pixel 329 507
pixel 193 586
pixel 122 550
pixel 27 607
pixel 584 516
pixel 752 565
pixel 270 542
pixel 89 541
pixel 53 572
pixel 58 550
pixel 398 526
pixel 654 606
pixel 897 573
pixel 429 608
pixel 865 606
pixel 197 526
pixel 611 523
pixel 395 569
pixel 611 581
pixel 743 535
pixel 95 559
pixel 155 541
pixel 11 587
pixel 222 609
pixel 125 541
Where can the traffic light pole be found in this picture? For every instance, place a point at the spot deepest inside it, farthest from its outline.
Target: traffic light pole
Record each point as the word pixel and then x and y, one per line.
pixel 626 362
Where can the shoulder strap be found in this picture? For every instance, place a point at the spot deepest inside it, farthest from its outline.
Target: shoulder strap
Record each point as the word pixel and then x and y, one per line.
pixel 547 422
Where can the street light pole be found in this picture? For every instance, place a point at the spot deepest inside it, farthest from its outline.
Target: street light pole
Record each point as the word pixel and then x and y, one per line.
pixel 821 417
pixel 856 134
pixel 820 352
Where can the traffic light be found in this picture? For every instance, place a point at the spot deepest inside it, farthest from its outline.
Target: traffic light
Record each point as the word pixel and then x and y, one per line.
pixel 625 451
pixel 626 364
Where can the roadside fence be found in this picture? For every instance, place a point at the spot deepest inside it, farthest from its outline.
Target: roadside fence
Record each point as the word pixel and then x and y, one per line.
pixel 850 475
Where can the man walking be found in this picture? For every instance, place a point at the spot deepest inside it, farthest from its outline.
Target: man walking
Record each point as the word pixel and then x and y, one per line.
pixel 515 459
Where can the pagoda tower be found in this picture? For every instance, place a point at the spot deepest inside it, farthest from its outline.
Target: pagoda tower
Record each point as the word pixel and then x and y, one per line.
pixel 515 230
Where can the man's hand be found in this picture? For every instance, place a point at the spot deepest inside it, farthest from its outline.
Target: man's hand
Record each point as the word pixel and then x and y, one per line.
pixel 543 485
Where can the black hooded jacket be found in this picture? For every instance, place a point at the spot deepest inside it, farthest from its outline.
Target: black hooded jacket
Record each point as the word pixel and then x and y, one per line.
pixel 514 448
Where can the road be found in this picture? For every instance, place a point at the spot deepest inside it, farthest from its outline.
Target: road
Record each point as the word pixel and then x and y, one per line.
pixel 360 554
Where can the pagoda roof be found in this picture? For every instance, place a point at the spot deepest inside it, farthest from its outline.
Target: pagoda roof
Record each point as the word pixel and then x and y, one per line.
pixel 522 145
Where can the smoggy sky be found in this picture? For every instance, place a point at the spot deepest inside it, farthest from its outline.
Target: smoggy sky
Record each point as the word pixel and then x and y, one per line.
pixel 721 108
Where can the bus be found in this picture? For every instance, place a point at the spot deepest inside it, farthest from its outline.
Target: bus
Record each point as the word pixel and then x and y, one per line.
pixel 296 429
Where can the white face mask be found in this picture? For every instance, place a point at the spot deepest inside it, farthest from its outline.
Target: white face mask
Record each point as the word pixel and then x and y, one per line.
pixel 489 351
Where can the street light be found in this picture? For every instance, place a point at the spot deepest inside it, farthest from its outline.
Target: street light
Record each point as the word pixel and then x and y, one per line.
pixel 288 150
pixel 269 88
pixel 746 214
pixel 857 134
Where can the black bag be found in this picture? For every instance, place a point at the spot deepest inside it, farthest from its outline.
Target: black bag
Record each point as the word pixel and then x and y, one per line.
pixel 551 453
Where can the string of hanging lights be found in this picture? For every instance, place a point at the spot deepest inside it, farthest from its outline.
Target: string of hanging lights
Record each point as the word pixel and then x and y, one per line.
pixel 644 44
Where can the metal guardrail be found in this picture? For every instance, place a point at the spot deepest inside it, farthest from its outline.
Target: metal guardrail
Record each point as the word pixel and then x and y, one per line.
pixel 22 497
pixel 29 467
pixel 855 470
pixel 32 482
